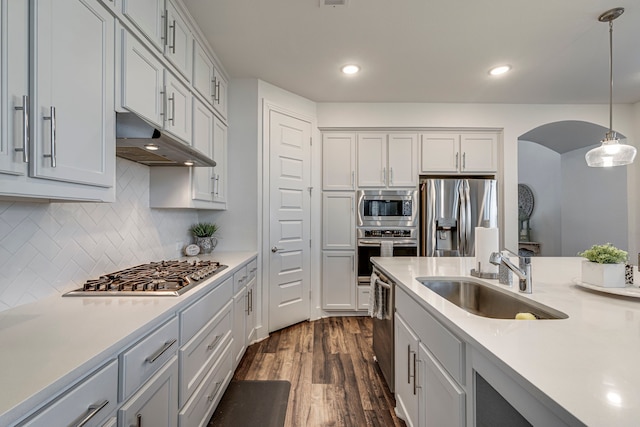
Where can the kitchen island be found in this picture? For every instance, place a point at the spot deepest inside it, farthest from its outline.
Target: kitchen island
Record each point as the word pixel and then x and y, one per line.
pixel 49 347
pixel 584 370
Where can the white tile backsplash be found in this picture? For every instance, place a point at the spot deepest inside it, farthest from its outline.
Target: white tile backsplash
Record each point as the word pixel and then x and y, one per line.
pixel 52 248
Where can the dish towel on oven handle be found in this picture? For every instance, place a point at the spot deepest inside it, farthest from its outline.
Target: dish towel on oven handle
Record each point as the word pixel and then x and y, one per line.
pixel 377 298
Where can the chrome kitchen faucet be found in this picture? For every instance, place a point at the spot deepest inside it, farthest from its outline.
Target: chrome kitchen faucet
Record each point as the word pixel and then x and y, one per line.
pixel 523 272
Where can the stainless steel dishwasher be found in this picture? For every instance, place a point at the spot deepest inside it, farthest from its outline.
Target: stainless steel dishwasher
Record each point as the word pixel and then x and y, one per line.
pixel 383 330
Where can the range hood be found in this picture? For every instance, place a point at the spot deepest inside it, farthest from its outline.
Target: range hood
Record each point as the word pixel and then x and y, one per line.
pixel 134 135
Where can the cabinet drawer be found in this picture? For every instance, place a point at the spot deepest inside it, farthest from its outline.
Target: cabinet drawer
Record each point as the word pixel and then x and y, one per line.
pixel 363 297
pixel 143 359
pixel 239 279
pixel 252 269
pixel 97 395
pixel 200 407
pixel 445 346
pixel 197 356
pixel 194 317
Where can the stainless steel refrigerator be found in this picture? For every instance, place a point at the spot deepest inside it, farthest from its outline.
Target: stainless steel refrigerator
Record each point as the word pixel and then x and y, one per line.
pixel 451 209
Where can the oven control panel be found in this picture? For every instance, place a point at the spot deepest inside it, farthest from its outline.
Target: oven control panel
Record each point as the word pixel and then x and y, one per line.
pixel 387 233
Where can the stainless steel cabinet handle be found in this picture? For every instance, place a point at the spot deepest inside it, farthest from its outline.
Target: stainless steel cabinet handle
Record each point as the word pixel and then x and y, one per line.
pixel 384 174
pixel 213 344
pixel 408 363
pixel 251 301
pixel 165 35
pixel 160 351
pixel 25 128
pixel 92 411
pixel 138 421
pixel 415 374
pixel 275 249
pixel 52 127
pixel 215 391
pixel 390 175
pixel 246 305
pixel 173 37
pixel 172 100
pixel 457 155
pixel 217 92
pixel 353 178
pixel 164 105
pixel 464 161
pixel 217 184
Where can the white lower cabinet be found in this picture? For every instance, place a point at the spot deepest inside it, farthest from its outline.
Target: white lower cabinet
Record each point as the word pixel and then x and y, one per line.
pixel 443 404
pixel 429 373
pixel 91 402
pixel 156 403
pixel 339 280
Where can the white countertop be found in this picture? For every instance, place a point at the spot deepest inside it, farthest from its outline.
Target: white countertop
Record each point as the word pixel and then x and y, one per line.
pixel 589 364
pixel 46 345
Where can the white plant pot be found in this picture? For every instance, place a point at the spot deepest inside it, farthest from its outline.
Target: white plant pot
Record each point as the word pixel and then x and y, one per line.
pixel 605 275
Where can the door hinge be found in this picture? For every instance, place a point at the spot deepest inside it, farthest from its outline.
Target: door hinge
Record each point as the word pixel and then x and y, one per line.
pixel 309 242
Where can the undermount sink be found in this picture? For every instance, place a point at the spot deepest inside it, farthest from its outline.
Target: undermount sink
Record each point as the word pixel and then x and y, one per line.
pixel 485 301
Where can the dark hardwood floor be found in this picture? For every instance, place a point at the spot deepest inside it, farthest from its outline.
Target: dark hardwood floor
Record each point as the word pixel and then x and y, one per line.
pixel 334 379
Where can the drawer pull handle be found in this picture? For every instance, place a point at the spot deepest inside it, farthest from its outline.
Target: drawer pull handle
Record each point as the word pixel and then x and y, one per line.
pixel 213 344
pixel 161 351
pixel 215 391
pixel 92 411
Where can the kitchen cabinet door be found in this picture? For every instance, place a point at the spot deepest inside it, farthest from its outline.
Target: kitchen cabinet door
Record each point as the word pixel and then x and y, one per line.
pixel 372 160
pixel 339 280
pixel 156 403
pixel 439 153
pixel 202 185
pixel 240 312
pixel 402 160
pixel 72 95
pixel 203 72
pixel 338 220
pixel 406 362
pixel 142 80
pixel 14 101
pixel 339 161
pixel 179 46
pixel 147 16
pixel 479 152
pixel 443 401
pixel 177 119
pixel 220 87
pixel 220 157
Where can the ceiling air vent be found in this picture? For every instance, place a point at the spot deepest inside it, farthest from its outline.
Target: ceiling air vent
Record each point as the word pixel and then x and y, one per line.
pixel 333 3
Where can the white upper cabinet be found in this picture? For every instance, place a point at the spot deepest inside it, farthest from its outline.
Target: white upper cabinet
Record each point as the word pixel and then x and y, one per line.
pixel 142 80
pixel 14 96
pixel 339 161
pixel 459 153
pixel 72 95
pixel 178 108
pixel 148 17
pixel 178 47
pixel 402 162
pixel 202 186
pixel 202 72
pixel 387 160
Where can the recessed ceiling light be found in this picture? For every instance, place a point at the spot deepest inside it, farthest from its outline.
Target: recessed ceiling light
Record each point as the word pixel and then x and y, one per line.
pixel 496 71
pixel 188 163
pixel 151 147
pixel 350 69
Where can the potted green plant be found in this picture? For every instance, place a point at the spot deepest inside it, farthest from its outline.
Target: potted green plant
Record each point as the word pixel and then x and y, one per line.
pixel 204 232
pixel 605 266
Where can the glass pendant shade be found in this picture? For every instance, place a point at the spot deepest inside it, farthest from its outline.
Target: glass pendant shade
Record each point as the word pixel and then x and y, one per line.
pixel 611 153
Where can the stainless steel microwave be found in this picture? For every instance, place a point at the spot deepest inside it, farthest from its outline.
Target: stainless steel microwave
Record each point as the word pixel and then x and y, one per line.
pixel 388 208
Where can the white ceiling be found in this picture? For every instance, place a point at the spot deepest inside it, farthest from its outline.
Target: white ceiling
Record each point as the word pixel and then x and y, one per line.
pixel 429 50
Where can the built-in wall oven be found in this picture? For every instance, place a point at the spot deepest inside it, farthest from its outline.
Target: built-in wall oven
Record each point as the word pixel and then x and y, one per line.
pixel 404 242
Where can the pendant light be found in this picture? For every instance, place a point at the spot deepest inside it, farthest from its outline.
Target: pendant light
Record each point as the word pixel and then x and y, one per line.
pixel 611 152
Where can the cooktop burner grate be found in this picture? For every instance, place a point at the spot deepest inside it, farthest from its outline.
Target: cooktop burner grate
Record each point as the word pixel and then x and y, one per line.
pixel 170 278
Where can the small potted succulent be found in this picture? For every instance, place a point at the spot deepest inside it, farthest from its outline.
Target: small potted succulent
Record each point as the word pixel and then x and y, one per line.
pixel 204 232
pixel 605 266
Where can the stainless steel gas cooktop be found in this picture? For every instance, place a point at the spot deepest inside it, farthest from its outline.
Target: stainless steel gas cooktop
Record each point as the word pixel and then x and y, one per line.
pixel 164 278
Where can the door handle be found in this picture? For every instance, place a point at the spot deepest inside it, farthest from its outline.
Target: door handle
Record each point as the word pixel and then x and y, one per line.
pixel 275 249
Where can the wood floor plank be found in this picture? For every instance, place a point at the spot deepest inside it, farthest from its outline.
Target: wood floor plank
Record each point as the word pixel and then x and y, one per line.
pixel 334 379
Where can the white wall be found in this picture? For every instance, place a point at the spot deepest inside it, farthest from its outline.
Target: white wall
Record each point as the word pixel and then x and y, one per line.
pixel 594 205
pixel 540 168
pixel 51 248
pixel 514 120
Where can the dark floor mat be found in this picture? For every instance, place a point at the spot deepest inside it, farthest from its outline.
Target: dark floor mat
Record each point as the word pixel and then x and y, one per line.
pixel 253 403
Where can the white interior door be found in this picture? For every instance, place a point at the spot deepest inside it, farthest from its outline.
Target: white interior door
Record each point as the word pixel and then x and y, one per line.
pixel 289 225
